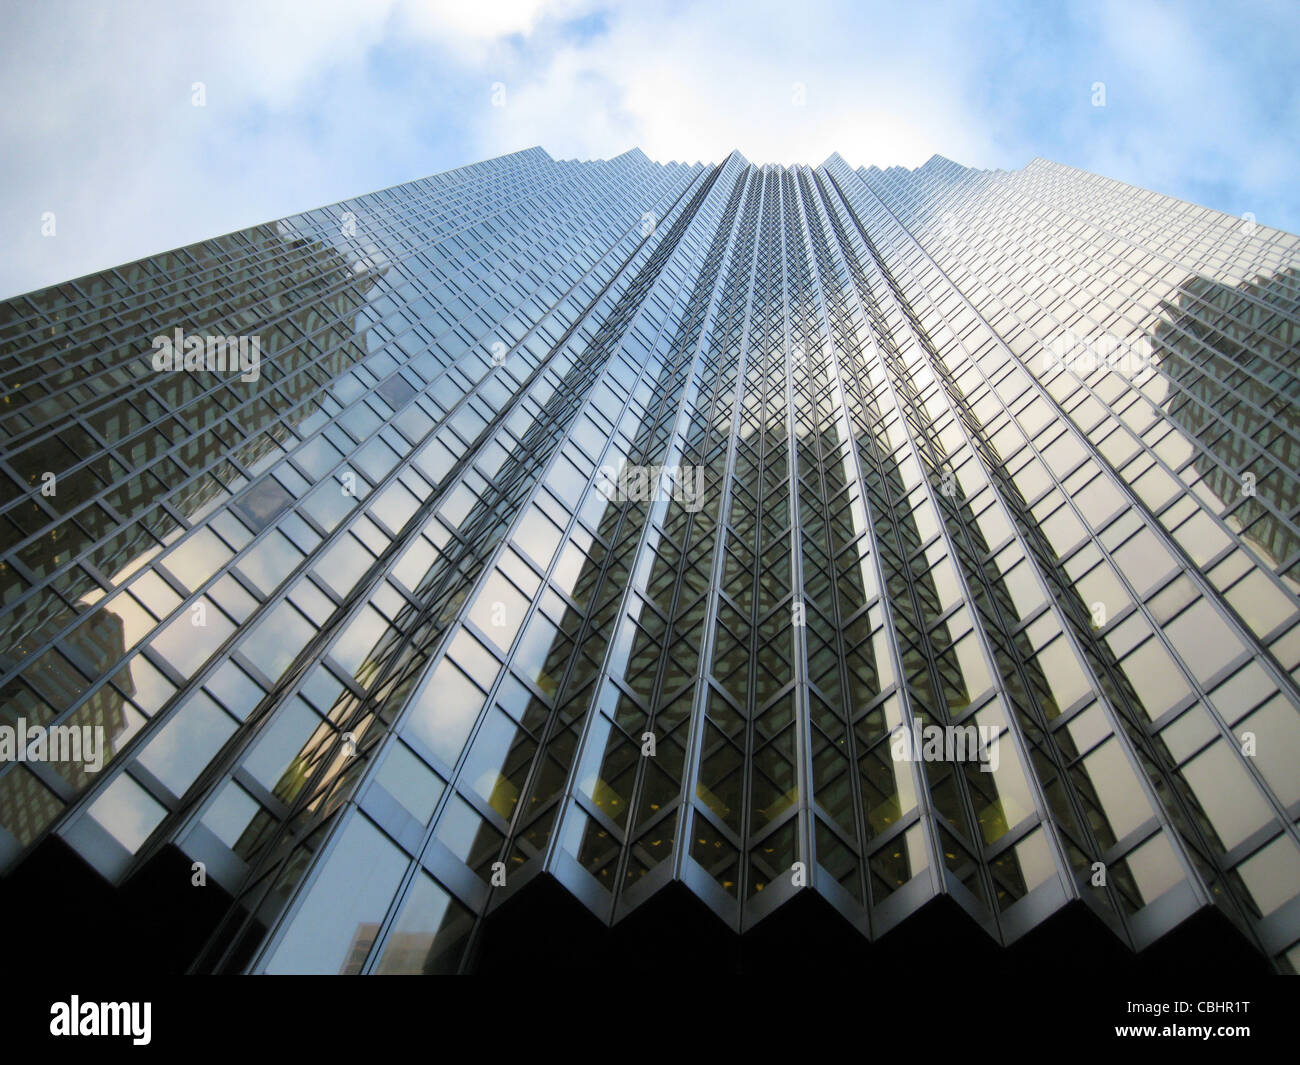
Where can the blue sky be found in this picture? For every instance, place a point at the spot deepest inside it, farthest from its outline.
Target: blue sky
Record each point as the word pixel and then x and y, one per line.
pixel 310 102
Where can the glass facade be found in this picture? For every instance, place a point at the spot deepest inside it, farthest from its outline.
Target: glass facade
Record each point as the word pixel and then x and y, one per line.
pixel 613 522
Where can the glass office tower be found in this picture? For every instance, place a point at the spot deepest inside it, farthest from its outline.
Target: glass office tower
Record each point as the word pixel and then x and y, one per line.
pixel 608 531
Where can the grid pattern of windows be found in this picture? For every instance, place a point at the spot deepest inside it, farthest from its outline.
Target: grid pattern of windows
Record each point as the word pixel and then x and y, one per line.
pixel 380 633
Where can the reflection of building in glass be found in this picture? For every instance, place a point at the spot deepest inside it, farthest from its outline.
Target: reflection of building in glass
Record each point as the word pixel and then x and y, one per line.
pixel 1232 352
pixel 448 688
pixel 27 805
pixel 122 500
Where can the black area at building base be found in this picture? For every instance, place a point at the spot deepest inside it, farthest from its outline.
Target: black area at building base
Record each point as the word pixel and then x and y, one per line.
pixel 545 929
pixel 935 981
pixel 64 919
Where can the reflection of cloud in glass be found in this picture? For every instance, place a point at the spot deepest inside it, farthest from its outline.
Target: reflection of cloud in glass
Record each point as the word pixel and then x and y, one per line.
pixel 343 908
pixel 128 812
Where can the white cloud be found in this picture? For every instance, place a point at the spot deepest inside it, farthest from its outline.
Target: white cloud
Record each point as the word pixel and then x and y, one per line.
pixel 693 85
pixel 312 102
pixel 487 19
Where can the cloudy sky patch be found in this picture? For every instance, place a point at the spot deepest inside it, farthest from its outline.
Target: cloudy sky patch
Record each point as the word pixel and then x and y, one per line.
pixel 310 103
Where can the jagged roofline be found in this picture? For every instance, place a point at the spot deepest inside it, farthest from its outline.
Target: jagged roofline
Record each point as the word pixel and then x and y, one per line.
pixel 637 153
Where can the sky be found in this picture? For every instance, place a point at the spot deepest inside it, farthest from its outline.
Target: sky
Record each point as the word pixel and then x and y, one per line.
pixel 129 127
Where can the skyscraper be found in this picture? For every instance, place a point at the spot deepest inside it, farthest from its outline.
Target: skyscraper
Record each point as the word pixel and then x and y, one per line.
pixel 911 548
